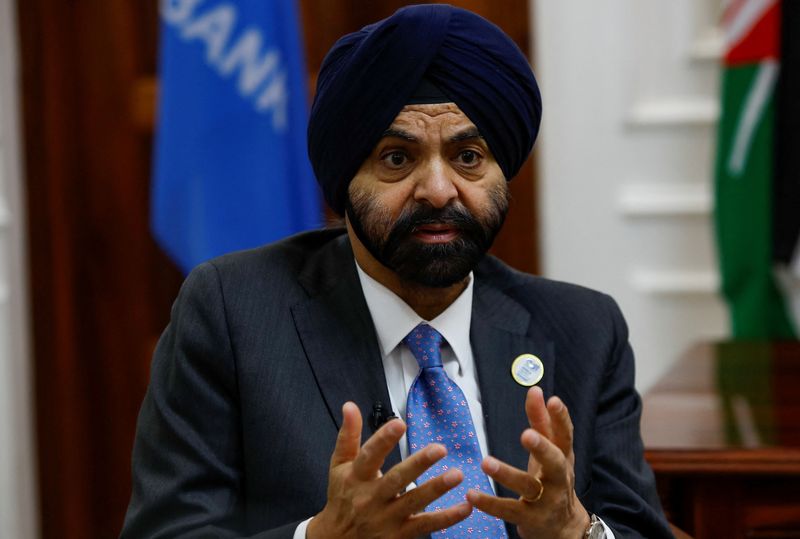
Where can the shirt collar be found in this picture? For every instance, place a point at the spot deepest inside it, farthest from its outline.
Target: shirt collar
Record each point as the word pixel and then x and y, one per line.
pixel 394 319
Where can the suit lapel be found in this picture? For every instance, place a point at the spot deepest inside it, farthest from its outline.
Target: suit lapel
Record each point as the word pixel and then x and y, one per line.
pixel 500 331
pixel 338 336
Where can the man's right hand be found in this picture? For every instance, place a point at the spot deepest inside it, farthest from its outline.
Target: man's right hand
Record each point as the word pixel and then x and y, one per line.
pixel 364 504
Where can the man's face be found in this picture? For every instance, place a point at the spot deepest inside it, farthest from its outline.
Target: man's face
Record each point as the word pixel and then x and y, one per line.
pixel 429 200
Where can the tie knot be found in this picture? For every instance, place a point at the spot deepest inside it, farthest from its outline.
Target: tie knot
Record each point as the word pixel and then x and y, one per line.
pixel 425 343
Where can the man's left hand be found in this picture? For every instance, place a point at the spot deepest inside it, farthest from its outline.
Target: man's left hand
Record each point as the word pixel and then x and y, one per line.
pixel 548 506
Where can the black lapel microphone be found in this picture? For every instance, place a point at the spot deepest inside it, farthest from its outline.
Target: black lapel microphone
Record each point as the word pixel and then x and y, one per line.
pixel 381 414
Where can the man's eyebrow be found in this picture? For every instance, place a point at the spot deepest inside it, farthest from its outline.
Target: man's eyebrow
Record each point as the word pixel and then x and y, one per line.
pixel 399 133
pixel 466 134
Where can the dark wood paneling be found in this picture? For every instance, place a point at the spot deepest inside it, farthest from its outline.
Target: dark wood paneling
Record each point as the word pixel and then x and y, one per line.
pixel 101 289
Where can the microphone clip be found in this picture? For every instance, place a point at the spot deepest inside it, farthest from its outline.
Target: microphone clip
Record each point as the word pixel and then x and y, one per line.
pixel 381 414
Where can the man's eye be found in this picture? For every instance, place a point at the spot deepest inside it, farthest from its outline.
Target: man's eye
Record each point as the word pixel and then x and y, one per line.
pixel 395 159
pixel 469 157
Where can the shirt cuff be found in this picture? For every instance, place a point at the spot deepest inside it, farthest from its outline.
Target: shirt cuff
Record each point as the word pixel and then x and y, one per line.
pixel 300 530
pixel 609 533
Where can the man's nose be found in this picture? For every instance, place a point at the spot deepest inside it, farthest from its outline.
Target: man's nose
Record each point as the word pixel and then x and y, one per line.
pixel 436 184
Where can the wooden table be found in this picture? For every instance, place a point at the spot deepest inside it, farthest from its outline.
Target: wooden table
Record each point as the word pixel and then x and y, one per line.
pixel 722 433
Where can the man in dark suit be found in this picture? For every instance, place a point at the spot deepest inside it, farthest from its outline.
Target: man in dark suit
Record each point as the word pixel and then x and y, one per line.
pixel 254 422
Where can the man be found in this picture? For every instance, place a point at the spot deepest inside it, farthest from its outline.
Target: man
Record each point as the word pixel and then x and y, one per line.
pixel 269 409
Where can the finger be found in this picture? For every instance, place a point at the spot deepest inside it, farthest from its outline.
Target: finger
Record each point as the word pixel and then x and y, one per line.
pixel 538 416
pixel 416 500
pixel 400 475
pixel 374 452
pixel 552 460
pixel 425 523
pixel 562 427
pixel 349 438
pixel 503 508
pixel 520 482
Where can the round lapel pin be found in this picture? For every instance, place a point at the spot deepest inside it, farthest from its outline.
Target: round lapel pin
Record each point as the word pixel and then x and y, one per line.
pixel 527 370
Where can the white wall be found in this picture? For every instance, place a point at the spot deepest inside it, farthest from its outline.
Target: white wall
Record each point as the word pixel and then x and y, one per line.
pixel 18 512
pixel 625 156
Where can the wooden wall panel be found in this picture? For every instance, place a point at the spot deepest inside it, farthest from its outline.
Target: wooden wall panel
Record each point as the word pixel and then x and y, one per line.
pixel 101 288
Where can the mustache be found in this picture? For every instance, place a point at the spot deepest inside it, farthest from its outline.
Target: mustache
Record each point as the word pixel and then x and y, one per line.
pixel 456 217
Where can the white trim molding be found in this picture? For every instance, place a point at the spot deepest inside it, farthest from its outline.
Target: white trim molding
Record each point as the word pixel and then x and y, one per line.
pixel 708 47
pixel 675 282
pixel 5 215
pixel 674 112
pixel 19 514
pixel 665 200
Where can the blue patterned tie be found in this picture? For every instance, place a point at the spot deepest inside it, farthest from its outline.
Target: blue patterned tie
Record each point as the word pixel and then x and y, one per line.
pixel 437 412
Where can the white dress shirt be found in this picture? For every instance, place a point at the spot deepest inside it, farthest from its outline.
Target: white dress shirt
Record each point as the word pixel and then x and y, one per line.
pixel 393 320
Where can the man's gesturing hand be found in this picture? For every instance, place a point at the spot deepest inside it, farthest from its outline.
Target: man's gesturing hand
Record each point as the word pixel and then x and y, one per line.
pixel 548 506
pixel 363 503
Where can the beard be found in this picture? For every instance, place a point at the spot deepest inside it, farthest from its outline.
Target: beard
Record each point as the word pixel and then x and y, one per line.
pixel 439 265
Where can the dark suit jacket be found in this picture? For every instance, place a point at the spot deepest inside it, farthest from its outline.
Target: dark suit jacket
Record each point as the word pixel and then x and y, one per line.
pixel 264 346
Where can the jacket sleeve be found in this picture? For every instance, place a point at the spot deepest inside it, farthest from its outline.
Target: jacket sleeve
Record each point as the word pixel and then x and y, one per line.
pixel 187 456
pixel 623 489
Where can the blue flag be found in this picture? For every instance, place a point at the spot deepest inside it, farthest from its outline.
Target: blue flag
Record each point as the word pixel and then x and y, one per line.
pixel 231 169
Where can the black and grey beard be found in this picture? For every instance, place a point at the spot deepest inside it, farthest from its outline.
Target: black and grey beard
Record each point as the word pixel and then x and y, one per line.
pixel 434 265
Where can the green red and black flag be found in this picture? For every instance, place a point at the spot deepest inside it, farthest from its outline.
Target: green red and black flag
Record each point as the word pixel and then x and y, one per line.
pixel 757 169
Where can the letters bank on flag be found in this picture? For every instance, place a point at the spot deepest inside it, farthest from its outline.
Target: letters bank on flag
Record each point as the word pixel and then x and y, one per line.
pixel 230 167
pixel 228 53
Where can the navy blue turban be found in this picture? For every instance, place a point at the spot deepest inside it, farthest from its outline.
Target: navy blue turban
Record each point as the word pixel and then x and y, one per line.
pixel 368 77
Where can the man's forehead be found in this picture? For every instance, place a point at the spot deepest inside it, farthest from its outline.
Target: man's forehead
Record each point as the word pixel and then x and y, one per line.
pixel 432 109
pixel 444 116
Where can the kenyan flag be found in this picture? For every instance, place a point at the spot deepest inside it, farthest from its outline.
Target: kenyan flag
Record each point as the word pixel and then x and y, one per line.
pixel 758 169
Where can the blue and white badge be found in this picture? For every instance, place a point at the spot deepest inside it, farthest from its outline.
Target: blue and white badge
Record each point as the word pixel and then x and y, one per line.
pixel 527 370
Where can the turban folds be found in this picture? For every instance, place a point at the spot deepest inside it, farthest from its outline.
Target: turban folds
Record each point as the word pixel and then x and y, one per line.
pixel 368 77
